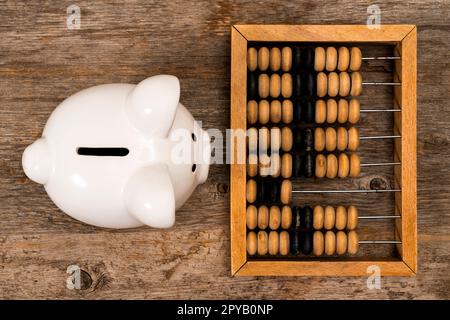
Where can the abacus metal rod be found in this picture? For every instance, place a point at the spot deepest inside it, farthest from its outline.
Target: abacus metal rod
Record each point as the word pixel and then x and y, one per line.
pixel 380 137
pixel 381 110
pixel 379 242
pixel 380 164
pixel 382 83
pixel 381 58
pixel 380 217
pixel 347 191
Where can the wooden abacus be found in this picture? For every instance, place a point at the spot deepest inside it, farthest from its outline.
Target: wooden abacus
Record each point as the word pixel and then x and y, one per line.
pixel 299 92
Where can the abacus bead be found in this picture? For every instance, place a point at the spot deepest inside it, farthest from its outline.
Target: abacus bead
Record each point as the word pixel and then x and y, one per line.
pixel 275 139
pixel 264 139
pixel 263 85
pixel 310 85
pixel 297 165
pixel 286 139
pixel 264 111
pixel 355 165
pixel 342 139
pixel 309 111
pixel 321 166
pixel 286 165
pixel 298 111
pixel 295 242
pixel 318 243
pixel 331 59
pixel 330 243
pixel 274 192
pixel 332 110
pixel 329 218
pixel 286 191
pixel 286 59
pixel 330 139
pixel 296 59
pixel 297 85
pixel 352 218
pixel 356 84
pixel 343 111
pixel 264 165
pixel 353 139
pixel 252 112
pixel 274 217
pixel 354 111
pixel 275 85
pixel 252 217
pixel 307 219
pixel 352 242
pixel 284 243
pixel 252 165
pixel 263 191
pixel 306 241
pixel 333 84
pixel 275 111
pixel 308 58
pixel 297 138
pixel 343 166
pixel 319 59
pixel 341 218
pixel 252 59
pixel 252 243
pixel 332 166
pixel 308 140
pixel 321 111
pixel 318 217
pixel 286 217
pixel 344 84
pixel 296 218
pixel 263 243
pixel 355 59
pixel 308 165
pixel 263 217
pixel 274 243
pixel 341 242
pixel 252 134
pixel 286 85
pixel 263 58
pixel 251 191
pixel 322 84
pixel 287 111
pixel 343 59
pixel 319 139
pixel 275 59
pixel 275 164
pixel 252 86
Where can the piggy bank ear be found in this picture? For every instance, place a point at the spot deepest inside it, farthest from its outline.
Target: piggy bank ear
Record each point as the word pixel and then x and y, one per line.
pixel 150 198
pixel 152 104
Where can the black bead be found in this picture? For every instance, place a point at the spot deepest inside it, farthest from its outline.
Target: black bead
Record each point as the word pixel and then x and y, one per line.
pixel 297 138
pixel 297 112
pixel 295 241
pixel 274 195
pixel 306 220
pixel 308 139
pixel 296 59
pixel 296 217
pixel 262 191
pixel 308 165
pixel 308 58
pixel 308 111
pixel 296 85
pixel 306 242
pixel 252 86
pixel 310 84
pixel 297 165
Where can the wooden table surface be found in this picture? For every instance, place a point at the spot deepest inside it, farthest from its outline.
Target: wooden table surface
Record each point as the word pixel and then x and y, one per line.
pixel 42 62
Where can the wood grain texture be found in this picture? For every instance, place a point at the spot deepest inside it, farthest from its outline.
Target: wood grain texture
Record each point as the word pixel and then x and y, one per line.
pixel 41 63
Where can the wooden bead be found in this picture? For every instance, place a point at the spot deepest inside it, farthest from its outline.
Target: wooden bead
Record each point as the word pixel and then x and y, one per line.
pixel 343 59
pixel 333 84
pixel 252 86
pixel 318 243
pixel 263 85
pixel 330 139
pixel 321 111
pixel 319 139
pixel 286 191
pixel 342 138
pixel 286 59
pixel 252 165
pixel 322 84
pixel 343 166
pixel 264 139
pixel 321 166
pixel 329 218
pixel 306 219
pixel 275 164
pixel 310 80
pixel 354 111
pixel 264 111
pixel 252 217
pixel 274 195
pixel 296 86
pixel 342 111
pixel 306 242
pixel 252 140
pixel 330 243
pixel 352 242
pixel 319 59
pixel 286 85
pixel 263 58
pixel 355 165
pixel 353 139
pixel 274 243
pixel 296 218
pixel 287 112
pixel 352 218
pixel 252 112
pixel 252 243
pixel 275 59
pixel 251 191
pixel 308 111
pixel 274 217
pixel 355 59
pixel 297 165
pixel 263 217
pixel 356 84
pixel 341 242
pixel 252 59
pixel 286 139
pixel 275 139
pixel 341 218
pixel 332 166
pixel 331 110
pixel 284 243
pixel 308 58
pixel 331 59
pixel 286 165
pixel 308 165
pixel 263 243
pixel 344 84
pixel 286 217
pixel 263 191
pixel 275 111
pixel 295 247
pixel 275 85
pixel 264 165
pixel 318 217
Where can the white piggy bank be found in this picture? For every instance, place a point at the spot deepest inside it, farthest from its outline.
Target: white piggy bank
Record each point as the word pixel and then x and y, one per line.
pixel 121 155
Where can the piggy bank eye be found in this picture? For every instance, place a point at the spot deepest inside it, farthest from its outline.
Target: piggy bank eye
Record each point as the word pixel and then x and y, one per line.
pixel 194 167
pixel 194 137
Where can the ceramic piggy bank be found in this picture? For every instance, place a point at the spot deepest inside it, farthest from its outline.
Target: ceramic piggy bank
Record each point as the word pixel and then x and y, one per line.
pixel 121 155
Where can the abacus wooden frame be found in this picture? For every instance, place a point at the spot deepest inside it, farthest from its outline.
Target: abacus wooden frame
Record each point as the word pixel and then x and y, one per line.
pixel 404 37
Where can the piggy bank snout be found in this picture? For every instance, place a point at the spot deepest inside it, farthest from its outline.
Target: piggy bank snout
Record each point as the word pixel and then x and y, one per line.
pixel 36 161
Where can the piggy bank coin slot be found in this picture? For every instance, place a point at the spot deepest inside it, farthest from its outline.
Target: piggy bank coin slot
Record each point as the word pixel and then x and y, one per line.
pixel 103 152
